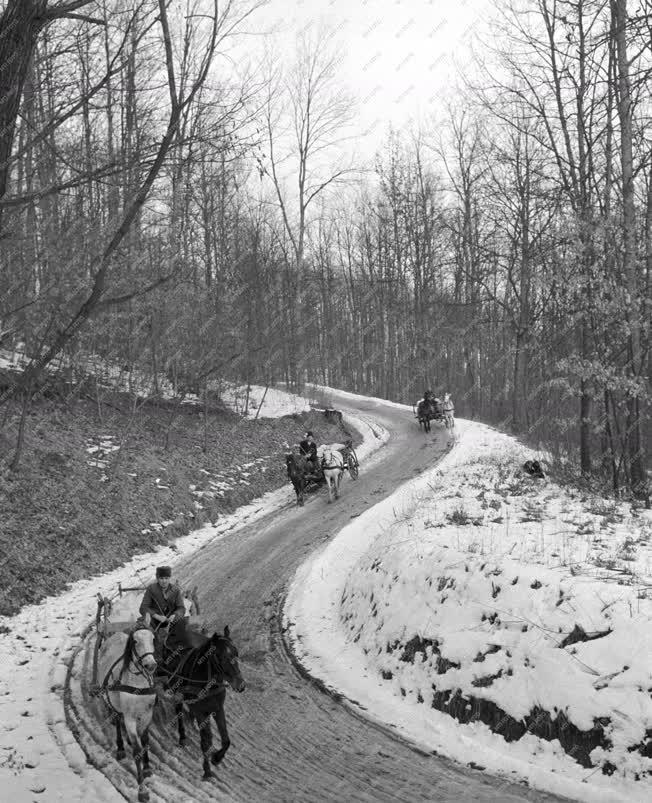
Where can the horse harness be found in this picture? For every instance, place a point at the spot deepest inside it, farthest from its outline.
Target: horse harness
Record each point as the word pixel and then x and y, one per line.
pixel 175 675
pixel 123 687
pixel 335 465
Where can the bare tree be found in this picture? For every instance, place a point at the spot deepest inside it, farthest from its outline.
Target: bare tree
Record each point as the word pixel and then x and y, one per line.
pixel 21 22
pixel 306 115
pixel 635 365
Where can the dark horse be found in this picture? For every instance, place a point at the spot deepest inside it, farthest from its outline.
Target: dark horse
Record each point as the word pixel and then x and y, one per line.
pixel 426 412
pixel 298 469
pixel 197 669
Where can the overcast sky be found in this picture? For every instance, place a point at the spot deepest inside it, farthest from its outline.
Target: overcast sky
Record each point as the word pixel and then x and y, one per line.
pixel 401 54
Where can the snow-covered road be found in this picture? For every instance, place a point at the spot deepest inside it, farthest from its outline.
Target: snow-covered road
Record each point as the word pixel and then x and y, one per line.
pixel 290 741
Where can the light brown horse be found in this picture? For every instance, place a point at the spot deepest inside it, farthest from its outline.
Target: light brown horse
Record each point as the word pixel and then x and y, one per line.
pixel 126 665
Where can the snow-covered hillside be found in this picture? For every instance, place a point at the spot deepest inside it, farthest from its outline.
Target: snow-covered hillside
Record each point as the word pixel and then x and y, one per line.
pixel 493 617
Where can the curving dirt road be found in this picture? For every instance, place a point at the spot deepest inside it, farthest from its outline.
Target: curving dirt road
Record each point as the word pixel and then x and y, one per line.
pixel 290 741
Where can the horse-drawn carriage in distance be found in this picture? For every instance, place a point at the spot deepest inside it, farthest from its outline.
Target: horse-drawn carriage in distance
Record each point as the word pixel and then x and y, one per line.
pixel 332 461
pixel 432 408
pixel 134 668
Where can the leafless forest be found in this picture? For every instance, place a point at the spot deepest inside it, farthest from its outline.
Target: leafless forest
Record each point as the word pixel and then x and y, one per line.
pixel 169 210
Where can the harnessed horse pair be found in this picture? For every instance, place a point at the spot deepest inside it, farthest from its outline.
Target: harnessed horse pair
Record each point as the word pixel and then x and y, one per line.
pixel 331 464
pixel 197 676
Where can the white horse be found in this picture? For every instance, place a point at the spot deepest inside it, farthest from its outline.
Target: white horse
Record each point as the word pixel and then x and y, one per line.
pixel 449 412
pixel 126 664
pixel 332 464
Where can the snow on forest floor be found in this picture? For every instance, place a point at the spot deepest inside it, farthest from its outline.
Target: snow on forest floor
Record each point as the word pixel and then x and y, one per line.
pixel 503 600
pixel 261 401
pixel 258 401
pixel 39 757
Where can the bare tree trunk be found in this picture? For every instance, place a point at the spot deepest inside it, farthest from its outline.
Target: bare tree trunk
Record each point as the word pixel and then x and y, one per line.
pixel 20 25
pixel 15 460
pixel 634 366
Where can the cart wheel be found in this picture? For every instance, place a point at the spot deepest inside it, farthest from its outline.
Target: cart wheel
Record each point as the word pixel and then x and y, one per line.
pixel 353 466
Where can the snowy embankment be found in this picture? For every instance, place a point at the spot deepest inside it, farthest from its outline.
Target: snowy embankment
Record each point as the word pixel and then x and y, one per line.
pixel 39 757
pixel 260 401
pixel 495 618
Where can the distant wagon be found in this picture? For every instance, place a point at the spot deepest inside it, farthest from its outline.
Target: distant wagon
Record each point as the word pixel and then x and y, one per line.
pixel 428 409
pixel 304 481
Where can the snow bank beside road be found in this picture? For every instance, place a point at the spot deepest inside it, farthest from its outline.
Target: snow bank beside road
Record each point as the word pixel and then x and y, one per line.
pixel 459 590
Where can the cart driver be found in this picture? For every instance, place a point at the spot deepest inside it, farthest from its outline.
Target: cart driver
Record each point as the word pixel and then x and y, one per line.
pixel 308 448
pixel 163 602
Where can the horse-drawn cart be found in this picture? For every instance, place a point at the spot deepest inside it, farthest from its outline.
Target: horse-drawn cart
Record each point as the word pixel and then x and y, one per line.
pixel 184 666
pixel 120 614
pixel 332 461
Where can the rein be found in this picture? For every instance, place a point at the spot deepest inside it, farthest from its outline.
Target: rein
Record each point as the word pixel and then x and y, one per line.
pixel 218 681
pixel 182 666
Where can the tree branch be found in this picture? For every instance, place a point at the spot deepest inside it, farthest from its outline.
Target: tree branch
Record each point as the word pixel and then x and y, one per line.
pixel 82 18
pixel 64 9
pixel 44 192
pixel 141 291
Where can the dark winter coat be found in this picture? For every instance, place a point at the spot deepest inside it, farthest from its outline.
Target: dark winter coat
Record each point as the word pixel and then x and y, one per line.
pixel 155 601
pixel 308 449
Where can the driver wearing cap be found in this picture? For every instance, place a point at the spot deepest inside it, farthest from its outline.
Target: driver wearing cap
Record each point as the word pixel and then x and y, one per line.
pixel 162 600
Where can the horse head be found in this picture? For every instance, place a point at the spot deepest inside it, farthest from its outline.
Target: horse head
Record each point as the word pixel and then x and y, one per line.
pixel 226 659
pixel 139 650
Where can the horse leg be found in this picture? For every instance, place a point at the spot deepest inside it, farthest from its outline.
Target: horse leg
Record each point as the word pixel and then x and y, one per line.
pixel 206 741
pixel 147 773
pixel 119 742
pixel 329 481
pixel 220 721
pixel 180 724
pixel 137 749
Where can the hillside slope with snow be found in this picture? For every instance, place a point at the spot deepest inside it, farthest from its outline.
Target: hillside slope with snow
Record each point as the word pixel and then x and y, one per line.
pixel 495 618
pixel 40 758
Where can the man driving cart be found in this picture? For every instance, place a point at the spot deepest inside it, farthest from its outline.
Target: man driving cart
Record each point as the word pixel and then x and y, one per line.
pixel 308 448
pixel 163 603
